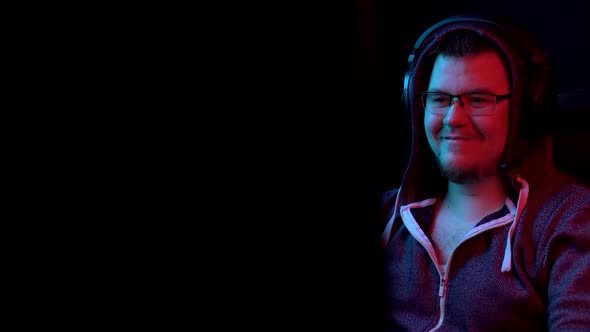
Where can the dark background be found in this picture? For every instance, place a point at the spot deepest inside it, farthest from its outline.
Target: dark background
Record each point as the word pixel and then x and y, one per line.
pixel 253 139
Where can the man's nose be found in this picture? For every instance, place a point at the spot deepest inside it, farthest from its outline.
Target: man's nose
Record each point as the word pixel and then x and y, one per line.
pixel 456 115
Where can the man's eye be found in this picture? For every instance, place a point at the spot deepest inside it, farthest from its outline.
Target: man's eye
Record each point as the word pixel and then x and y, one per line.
pixel 440 99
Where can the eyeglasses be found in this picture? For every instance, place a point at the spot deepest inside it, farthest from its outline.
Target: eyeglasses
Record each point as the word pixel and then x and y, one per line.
pixel 478 103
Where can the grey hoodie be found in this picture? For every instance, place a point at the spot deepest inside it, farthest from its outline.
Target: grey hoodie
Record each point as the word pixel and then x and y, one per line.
pixel 525 267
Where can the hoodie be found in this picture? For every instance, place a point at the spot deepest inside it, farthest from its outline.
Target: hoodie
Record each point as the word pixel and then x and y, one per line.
pixel 523 267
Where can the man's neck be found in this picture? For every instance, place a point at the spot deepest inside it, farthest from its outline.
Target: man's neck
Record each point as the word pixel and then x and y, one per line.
pixel 474 201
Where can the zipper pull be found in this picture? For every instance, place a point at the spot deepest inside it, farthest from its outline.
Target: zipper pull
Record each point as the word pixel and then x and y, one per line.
pixel 442 290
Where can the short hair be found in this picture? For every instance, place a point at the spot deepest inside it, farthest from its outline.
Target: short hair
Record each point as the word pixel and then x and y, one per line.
pixel 465 43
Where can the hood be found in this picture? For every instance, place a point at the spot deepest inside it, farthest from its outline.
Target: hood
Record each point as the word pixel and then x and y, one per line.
pixel 528 154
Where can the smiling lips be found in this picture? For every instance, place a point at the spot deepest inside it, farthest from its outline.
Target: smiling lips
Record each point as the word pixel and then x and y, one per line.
pixel 456 138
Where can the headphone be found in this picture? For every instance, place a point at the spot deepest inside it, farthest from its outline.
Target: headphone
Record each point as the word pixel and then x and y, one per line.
pixel 539 77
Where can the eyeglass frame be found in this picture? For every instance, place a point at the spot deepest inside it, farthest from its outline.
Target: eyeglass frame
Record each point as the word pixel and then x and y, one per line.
pixel 423 94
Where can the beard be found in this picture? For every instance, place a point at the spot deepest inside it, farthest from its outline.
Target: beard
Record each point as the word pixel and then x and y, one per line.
pixel 460 175
pixel 466 174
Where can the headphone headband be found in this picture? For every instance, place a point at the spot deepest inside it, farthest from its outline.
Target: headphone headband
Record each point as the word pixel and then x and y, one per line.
pixel 449 21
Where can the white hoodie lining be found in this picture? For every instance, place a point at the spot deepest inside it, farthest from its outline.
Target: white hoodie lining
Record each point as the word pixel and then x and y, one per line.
pixel 507 261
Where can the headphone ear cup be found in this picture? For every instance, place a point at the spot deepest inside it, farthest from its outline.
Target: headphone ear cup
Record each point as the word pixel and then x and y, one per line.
pixel 541 98
pixel 546 96
pixel 406 91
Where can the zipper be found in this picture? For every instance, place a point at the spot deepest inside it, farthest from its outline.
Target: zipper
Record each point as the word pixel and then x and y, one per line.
pixel 442 292
pixel 423 240
pixel 442 288
pixel 485 229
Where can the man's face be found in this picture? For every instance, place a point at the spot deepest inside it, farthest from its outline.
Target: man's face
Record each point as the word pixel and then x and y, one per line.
pixel 467 146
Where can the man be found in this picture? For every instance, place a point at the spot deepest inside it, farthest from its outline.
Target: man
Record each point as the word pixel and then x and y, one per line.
pixel 484 233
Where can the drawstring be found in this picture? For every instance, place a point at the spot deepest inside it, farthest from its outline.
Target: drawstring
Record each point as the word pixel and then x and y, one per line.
pixel 387 232
pixel 522 200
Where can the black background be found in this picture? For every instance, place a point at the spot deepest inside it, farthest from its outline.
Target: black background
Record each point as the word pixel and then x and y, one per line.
pixel 248 142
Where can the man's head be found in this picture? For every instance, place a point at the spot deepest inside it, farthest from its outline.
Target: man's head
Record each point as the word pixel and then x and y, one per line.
pixel 467 107
pixel 461 55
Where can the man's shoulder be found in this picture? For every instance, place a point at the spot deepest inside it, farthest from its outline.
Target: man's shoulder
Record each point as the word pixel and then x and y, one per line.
pixel 564 190
pixel 570 184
